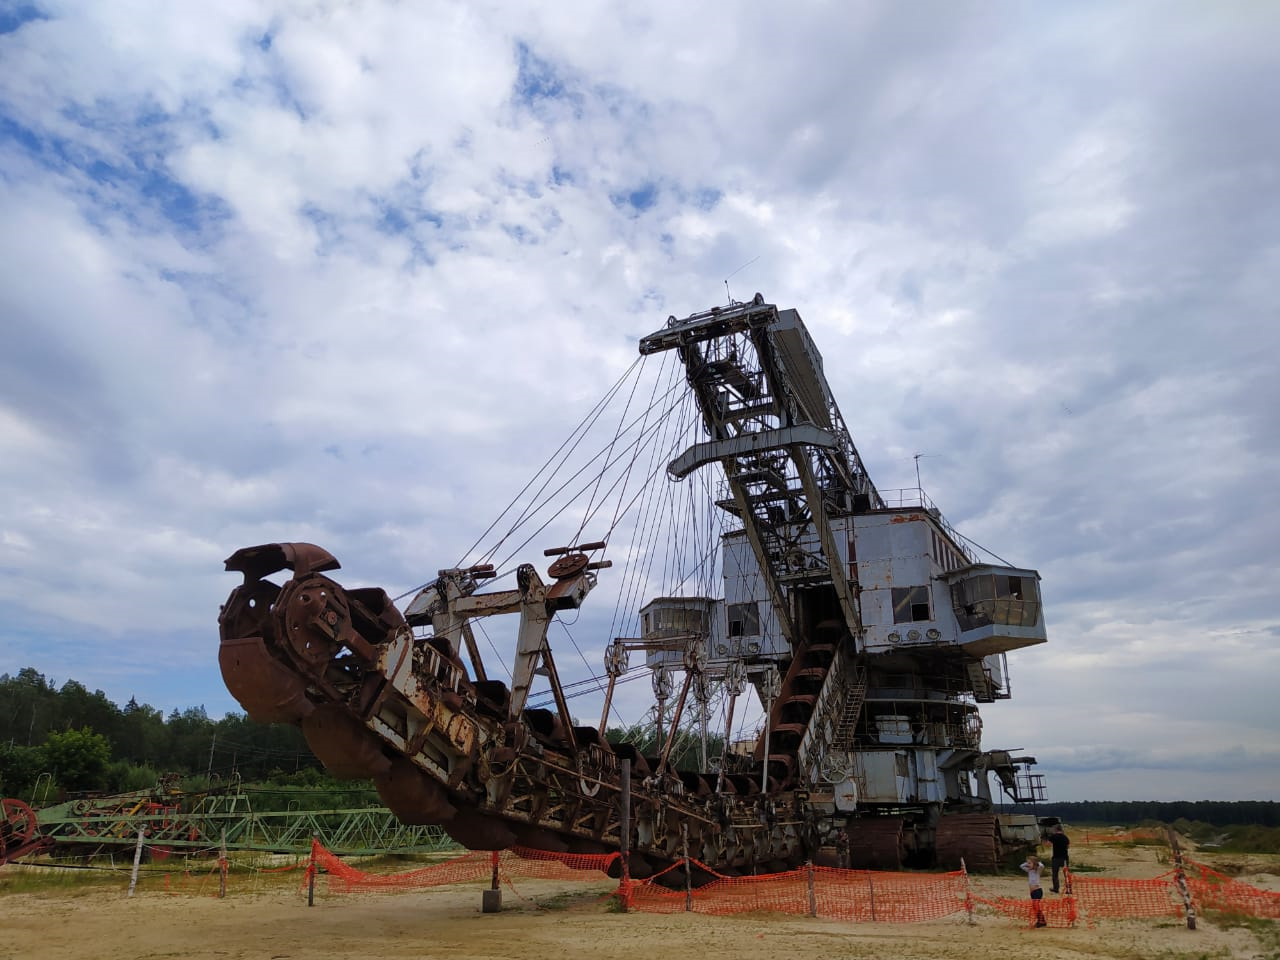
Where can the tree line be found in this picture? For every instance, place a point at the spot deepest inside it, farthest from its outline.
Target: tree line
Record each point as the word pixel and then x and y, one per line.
pixel 1221 813
pixel 58 740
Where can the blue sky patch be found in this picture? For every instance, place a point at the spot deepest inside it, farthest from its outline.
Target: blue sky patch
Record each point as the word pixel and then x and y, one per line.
pixel 707 198
pixel 328 230
pixel 639 200
pixel 536 79
pixel 12 18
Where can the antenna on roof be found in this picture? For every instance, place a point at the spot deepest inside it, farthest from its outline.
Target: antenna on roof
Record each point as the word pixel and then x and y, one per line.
pixel 735 273
pixel 916 458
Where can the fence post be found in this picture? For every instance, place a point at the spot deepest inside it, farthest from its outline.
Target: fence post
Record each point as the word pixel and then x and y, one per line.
pixel 137 859
pixel 813 900
pixel 491 899
pixel 624 835
pixel 871 888
pixel 222 867
pixel 1180 877
pixel 688 870
pixel 311 874
pixel 968 891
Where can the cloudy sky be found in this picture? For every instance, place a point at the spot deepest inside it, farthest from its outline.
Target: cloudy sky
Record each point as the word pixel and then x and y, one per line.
pixel 346 272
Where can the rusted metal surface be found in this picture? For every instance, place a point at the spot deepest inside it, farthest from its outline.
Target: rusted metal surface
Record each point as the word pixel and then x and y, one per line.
pixel 19 834
pixel 375 701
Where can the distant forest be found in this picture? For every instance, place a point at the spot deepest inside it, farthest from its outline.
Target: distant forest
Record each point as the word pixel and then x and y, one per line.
pixel 59 740
pixel 56 741
pixel 1221 813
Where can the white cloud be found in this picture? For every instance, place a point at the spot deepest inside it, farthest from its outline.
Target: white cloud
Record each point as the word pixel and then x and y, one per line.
pixel 348 273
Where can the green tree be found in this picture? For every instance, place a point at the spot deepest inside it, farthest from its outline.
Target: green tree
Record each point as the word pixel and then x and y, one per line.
pixel 19 768
pixel 77 758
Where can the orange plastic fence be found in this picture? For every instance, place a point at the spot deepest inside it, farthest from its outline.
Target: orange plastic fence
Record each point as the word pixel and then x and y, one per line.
pixel 1054 911
pixel 1216 891
pixel 185 882
pixel 859 896
pixel 1141 835
pixel 853 895
pixel 519 862
pixel 1125 899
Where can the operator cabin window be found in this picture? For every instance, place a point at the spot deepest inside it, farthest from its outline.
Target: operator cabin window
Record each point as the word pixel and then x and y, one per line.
pixel 910 604
pixel 744 619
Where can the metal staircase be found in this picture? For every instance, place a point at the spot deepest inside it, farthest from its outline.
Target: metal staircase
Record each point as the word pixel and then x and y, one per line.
pixel 835 718
pixel 848 724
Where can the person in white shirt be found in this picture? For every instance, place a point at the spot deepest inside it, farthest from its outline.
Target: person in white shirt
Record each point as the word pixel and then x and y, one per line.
pixel 1033 868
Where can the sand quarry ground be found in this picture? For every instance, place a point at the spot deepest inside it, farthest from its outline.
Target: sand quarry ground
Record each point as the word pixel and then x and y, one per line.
pixel 266 916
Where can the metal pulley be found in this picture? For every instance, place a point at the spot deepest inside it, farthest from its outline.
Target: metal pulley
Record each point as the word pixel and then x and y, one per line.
pixel 695 656
pixel 735 678
pixel 702 690
pixel 570 565
pixel 835 767
pixel 661 681
pixel 616 659
pixel 770 684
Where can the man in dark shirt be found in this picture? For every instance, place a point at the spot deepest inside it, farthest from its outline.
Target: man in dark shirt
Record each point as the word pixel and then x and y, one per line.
pixel 1060 842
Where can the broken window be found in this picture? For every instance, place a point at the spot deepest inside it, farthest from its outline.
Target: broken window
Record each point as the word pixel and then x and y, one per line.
pixel 987 599
pixel 744 619
pixel 911 604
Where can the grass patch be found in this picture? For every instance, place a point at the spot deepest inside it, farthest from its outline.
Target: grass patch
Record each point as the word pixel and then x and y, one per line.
pixel 1266 931
pixel 60 881
pixel 1085 868
pixel 565 900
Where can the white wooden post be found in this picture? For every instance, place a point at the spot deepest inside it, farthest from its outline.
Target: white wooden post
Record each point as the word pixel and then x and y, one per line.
pixel 137 860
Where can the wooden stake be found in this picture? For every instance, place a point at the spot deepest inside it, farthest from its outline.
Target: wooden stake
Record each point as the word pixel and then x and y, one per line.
pixel 222 867
pixel 968 892
pixel 1180 877
pixel 813 900
pixel 311 875
pixel 688 871
pixel 624 834
pixel 137 860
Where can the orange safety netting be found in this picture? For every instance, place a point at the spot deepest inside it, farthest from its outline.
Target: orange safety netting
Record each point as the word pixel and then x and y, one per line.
pixel 549 865
pixel 285 869
pixel 1054 911
pixel 521 862
pixel 854 895
pixel 851 895
pixel 1110 897
pixel 1095 897
pixel 1216 891
pixel 1141 835
pixel 185 882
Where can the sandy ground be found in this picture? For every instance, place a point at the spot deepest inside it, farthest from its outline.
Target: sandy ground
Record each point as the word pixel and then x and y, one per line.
pixel 268 918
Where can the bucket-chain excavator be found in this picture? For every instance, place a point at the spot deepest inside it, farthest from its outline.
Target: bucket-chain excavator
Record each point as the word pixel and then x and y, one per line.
pixel 868 629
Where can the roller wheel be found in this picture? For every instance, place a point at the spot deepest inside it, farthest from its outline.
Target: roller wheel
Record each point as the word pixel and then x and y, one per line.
pixel 973 837
pixel 17 824
pixel 875 843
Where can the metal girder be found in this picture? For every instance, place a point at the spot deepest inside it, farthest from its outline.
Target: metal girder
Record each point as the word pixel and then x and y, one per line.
pixel 348 832
pixel 745 444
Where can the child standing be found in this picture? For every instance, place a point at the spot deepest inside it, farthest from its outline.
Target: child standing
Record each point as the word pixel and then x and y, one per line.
pixel 1033 868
